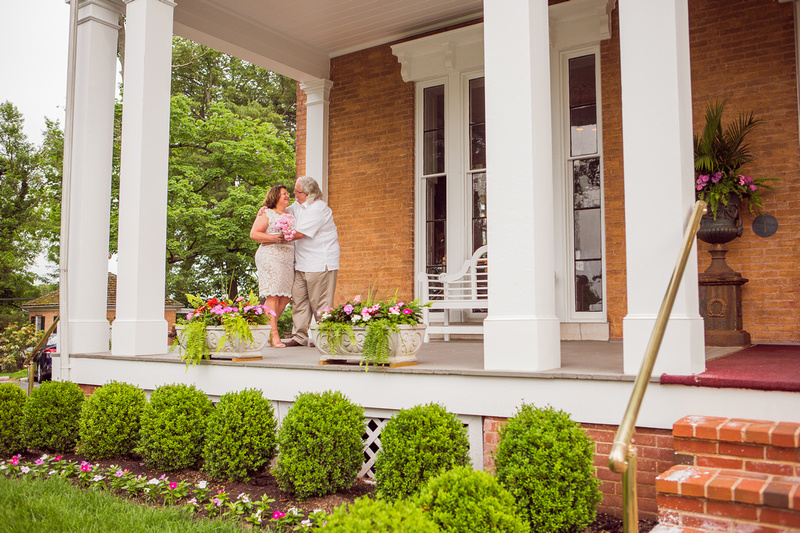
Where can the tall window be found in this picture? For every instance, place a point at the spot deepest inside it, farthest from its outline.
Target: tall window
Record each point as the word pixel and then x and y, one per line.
pixel 584 164
pixel 434 179
pixel 477 160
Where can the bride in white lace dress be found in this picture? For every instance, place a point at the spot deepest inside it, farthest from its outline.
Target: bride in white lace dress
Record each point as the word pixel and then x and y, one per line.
pixel 274 258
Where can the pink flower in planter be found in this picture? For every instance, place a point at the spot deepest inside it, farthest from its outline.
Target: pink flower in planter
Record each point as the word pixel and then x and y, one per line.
pixel 407 311
pixel 357 299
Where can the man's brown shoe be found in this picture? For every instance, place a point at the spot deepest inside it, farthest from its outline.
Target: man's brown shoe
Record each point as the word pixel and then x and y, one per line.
pixel 293 343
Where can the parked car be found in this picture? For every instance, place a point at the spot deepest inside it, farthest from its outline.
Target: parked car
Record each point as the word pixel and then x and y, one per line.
pixel 44 364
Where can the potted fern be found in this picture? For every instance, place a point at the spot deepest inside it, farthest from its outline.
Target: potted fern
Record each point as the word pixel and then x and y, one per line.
pixel 235 328
pixel 370 331
pixel 719 156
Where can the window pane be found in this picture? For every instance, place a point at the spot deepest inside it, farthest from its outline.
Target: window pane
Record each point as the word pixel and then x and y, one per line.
pixel 433 130
pixel 477 124
pixel 587 235
pixel 581 81
pixel 478 210
pixel 478 233
pixel 582 106
pixel 588 286
pixel 586 183
pixel 434 108
pixel 477 152
pixel 433 148
pixel 435 224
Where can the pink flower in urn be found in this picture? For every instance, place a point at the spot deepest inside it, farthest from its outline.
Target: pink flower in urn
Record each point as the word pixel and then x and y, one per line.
pixel 348 309
pixel 357 299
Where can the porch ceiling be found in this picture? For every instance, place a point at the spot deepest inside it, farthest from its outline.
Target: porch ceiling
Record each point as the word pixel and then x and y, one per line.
pixel 298 37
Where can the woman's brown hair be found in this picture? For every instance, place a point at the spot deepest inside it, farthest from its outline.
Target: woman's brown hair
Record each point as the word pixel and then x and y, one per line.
pixel 273 195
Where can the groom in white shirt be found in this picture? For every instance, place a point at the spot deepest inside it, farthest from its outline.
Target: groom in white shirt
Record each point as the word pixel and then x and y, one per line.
pixel 316 254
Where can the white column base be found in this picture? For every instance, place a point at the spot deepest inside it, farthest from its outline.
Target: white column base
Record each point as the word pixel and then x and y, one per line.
pixel 88 336
pixel 139 337
pixel 682 349
pixel 522 344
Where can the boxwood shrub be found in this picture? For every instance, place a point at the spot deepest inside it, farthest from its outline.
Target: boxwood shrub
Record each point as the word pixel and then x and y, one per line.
pixel 111 420
pixel 320 447
pixel 52 415
pixel 546 461
pixel 240 436
pixel 173 427
pixel 462 500
pixel 417 444
pixel 12 406
pixel 368 515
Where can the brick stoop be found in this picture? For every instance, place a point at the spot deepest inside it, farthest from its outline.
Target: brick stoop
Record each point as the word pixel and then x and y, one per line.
pixel 731 475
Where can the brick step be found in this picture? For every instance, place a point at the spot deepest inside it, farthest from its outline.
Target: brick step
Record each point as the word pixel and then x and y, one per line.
pixel 738 444
pixel 716 499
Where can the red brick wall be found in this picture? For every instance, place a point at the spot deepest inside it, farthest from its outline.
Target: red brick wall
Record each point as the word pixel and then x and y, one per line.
pixel 613 185
pixel 654 456
pixel 300 137
pixel 371 172
pixel 749 59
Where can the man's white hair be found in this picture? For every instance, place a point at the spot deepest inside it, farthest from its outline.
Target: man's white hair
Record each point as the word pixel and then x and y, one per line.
pixel 310 187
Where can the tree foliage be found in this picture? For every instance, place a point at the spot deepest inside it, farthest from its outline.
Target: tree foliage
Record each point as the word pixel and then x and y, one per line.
pixel 25 203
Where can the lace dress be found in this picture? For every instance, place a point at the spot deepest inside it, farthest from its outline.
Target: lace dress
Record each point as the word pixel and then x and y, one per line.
pixel 275 263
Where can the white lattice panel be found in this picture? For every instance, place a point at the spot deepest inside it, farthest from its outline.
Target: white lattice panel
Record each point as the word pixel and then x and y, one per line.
pixel 372 443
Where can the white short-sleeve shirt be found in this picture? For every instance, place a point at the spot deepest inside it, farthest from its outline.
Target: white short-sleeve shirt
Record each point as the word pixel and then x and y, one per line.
pixel 319 250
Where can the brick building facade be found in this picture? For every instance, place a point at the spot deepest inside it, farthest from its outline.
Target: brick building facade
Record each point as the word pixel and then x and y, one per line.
pixel 741 51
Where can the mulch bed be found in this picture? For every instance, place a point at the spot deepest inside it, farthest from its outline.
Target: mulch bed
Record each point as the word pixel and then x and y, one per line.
pixel 264 483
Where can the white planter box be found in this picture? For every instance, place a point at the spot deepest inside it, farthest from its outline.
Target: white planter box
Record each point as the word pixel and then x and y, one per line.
pixel 238 350
pixel 403 345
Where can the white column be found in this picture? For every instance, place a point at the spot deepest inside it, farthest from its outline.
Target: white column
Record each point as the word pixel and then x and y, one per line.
pixel 140 327
pixel 521 330
pixel 93 136
pixel 659 181
pixel 317 111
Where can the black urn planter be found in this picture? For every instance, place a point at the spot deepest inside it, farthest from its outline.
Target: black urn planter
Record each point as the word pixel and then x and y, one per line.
pixel 727 225
pixel 720 286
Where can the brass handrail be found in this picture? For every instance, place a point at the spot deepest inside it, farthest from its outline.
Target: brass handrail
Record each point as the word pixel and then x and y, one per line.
pixel 28 360
pixel 622 453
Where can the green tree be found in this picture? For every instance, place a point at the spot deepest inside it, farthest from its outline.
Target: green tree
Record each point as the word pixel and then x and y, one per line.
pixel 221 167
pixel 23 207
pixel 207 76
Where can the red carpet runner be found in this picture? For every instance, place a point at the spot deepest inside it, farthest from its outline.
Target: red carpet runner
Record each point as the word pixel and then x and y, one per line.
pixel 761 367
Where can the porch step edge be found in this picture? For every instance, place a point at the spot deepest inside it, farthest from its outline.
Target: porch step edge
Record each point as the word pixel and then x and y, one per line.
pixel 738 430
pixel 731 486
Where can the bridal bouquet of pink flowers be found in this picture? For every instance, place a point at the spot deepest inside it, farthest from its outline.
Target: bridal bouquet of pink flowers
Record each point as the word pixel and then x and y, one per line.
pixel 286 225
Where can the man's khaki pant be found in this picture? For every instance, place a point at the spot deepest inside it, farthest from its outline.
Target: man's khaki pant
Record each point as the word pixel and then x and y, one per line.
pixel 311 292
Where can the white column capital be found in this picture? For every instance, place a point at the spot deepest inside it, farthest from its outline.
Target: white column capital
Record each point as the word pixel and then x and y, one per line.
pixel 167 2
pixel 105 12
pixel 317 91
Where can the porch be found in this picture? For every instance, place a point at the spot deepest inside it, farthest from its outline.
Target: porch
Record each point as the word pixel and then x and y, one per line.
pixel 452 373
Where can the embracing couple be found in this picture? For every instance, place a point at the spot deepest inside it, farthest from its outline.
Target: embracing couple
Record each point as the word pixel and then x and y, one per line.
pixel 298 258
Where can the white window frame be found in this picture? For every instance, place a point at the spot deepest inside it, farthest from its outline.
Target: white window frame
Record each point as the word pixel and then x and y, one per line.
pixel 563 177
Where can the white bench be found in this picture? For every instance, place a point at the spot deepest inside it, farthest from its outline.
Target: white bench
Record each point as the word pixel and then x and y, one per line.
pixel 463 290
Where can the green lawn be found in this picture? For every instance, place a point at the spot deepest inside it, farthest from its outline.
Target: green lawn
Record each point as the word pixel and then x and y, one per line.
pixel 32 505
